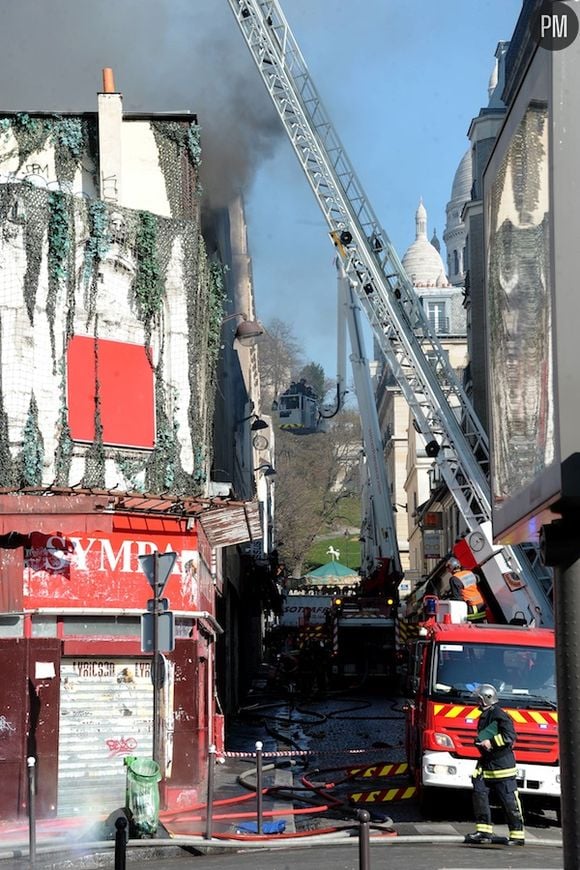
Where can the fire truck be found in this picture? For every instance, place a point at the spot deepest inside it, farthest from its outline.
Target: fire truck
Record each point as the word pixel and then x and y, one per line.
pixel 362 639
pixel 449 658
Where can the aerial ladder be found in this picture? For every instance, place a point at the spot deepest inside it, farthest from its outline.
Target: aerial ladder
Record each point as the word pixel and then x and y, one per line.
pixel 381 562
pixel 442 412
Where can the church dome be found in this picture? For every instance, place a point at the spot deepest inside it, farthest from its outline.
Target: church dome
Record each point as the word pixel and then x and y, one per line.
pixel 422 261
pixel 461 188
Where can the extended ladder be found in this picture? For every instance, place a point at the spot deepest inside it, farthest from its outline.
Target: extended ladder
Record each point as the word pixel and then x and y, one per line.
pixel 441 410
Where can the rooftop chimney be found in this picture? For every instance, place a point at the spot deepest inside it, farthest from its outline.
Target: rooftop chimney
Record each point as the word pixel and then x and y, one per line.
pixel 110 104
pixel 108 81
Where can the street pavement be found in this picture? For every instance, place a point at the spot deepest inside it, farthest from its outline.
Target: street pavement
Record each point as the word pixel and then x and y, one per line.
pixel 314 742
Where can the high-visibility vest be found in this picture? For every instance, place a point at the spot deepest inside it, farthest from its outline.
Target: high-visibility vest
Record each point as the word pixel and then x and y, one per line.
pixel 469 591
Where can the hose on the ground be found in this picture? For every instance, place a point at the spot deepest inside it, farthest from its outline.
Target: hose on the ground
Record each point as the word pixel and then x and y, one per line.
pixel 330 804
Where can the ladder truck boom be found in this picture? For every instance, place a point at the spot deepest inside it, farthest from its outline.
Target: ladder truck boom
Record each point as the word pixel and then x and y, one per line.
pixel 381 538
pixel 442 412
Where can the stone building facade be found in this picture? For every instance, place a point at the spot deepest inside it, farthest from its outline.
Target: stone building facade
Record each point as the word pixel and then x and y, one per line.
pixel 112 308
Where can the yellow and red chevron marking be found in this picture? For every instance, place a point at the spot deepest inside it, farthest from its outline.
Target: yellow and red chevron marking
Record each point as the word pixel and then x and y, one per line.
pixel 534 717
pixel 456 711
pixel 374 771
pixel 383 796
pixel 529 717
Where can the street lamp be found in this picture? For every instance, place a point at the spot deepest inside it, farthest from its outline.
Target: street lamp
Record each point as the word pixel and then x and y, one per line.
pixel 247 331
pixel 257 424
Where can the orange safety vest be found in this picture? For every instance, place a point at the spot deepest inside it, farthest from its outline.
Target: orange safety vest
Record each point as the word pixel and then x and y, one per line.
pixel 470 592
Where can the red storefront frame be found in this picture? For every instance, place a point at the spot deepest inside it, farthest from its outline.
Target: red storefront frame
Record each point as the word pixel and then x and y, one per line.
pixel 56 579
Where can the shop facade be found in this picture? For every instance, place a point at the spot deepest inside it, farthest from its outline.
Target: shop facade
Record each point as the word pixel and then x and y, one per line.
pixel 79 695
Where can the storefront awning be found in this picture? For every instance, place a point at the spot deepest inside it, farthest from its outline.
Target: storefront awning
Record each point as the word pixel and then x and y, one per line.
pixel 224 521
pixel 232 525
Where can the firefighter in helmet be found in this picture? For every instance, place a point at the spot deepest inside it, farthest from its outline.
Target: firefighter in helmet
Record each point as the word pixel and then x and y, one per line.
pixel 463 586
pixel 496 770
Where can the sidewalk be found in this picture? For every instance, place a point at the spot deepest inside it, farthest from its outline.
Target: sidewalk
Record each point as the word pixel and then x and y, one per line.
pixel 78 839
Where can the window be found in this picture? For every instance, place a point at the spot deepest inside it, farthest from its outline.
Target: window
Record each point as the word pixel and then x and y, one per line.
pixel 436 313
pixel 455 262
pixel 521 675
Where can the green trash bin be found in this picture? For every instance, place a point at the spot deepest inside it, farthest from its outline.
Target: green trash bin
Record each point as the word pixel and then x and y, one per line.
pixel 142 798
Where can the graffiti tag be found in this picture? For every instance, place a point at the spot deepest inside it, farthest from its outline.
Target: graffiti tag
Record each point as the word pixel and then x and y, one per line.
pixel 6 727
pixel 122 746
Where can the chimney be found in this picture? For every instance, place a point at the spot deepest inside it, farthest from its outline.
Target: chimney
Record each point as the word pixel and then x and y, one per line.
pixel 110 110
pixel 108 81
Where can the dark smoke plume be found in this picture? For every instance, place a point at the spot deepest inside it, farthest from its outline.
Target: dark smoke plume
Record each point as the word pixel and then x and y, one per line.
pixel 169 55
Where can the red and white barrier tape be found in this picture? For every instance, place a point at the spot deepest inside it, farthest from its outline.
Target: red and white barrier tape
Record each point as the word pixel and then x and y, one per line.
pixel 285 753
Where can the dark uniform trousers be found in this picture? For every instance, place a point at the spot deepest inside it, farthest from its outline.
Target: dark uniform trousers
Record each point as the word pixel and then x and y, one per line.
pixel 506 791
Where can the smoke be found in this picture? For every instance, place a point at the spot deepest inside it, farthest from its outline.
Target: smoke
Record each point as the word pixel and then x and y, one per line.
pixel 167 56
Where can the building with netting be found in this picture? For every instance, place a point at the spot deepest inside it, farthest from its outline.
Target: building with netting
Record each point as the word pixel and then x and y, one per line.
pixel 111 313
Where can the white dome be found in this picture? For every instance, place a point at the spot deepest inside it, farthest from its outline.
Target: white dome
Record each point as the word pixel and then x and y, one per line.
pixel 422 261
pixel 461 188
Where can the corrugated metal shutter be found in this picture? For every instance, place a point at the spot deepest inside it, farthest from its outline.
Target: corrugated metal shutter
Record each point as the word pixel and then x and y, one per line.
pixel 106 711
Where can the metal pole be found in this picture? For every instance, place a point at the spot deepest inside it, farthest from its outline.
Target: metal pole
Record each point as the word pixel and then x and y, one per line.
pixel 31 762
pixel 210 789
pixel 120 843
pixel 567 590
pixel 259 786
pixel 560 548
pixel 155 664
pixel 364 852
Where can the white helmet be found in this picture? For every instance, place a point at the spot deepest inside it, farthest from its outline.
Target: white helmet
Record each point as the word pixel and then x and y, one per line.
pixel 486 695
pixel 453 565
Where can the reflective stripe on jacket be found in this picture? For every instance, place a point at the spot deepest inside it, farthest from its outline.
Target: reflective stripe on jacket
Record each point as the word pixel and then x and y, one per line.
pixel 468 589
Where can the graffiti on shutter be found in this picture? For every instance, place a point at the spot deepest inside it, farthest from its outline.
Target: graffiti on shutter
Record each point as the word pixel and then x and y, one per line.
pixel 106 709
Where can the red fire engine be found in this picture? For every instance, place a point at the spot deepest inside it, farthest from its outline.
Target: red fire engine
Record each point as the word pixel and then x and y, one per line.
pixel 449 658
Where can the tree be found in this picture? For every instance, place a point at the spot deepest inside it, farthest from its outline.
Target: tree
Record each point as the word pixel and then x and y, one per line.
pixel 280 357
pixel 315 474
pixel 313 374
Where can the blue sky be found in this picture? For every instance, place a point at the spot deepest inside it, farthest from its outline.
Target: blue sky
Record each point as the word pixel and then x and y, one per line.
pixel 401 83
pixel 401 80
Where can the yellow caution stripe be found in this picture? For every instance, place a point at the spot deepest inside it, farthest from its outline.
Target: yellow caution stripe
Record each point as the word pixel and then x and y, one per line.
pixel 374 771
pixel 521 716
pixel 383 796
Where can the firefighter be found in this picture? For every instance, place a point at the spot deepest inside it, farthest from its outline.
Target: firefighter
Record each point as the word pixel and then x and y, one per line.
pixel 463 586
pixel 496 770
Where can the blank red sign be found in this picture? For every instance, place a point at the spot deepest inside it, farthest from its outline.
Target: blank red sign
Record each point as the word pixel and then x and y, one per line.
pixel 125 391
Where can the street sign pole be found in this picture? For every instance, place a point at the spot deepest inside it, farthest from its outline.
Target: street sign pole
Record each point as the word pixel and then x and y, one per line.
pixel 157 569
pixel 155 663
